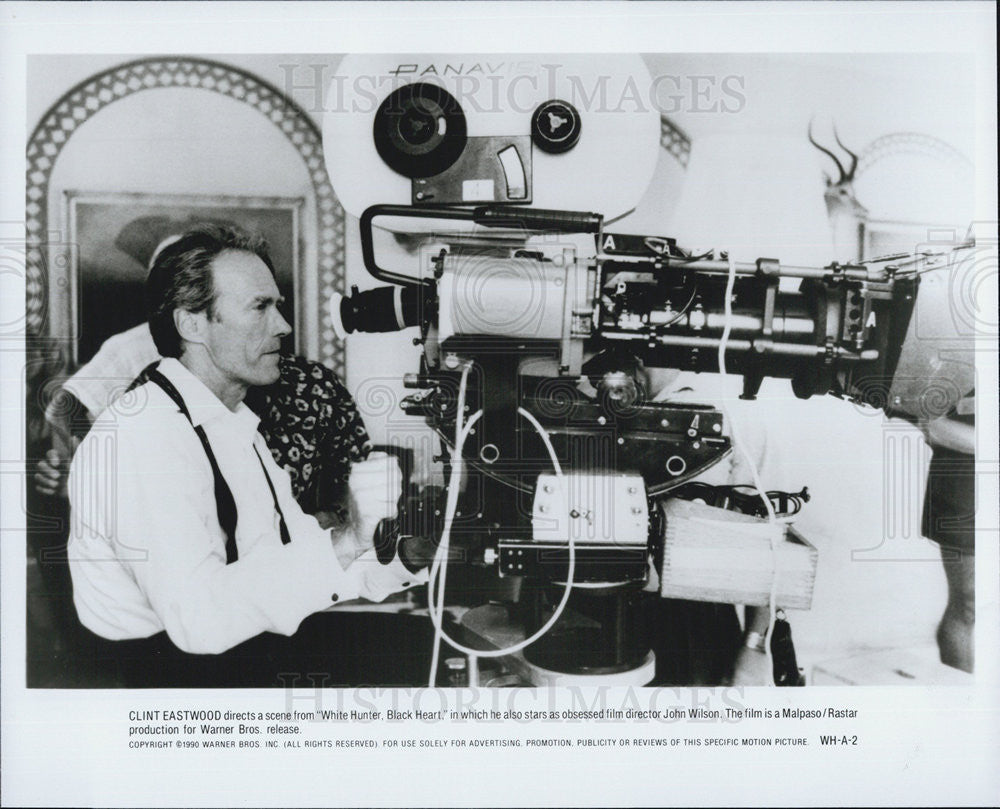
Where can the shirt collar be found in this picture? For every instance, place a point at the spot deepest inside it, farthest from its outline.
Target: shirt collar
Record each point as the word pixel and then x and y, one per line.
pixel 203 405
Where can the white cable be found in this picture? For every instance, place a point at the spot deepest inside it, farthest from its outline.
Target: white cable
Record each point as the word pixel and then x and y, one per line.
pixel 741 447
pixel 463 386
pixel 453 485
pixel 440 565
pixel 440 556
pixel 441 559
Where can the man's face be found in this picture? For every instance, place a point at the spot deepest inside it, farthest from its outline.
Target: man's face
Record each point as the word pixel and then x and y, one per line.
pixel 244 335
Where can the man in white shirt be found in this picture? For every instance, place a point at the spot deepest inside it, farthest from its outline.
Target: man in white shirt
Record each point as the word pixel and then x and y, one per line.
pixel 185 537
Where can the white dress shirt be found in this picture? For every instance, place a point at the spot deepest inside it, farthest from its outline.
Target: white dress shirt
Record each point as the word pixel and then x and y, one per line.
pixel 146 549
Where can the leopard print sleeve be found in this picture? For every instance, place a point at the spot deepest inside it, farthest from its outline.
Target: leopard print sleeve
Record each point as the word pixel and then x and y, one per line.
pixel 314 431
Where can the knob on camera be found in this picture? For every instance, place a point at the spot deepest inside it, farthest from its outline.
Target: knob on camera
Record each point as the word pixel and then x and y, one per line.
pixel 556 126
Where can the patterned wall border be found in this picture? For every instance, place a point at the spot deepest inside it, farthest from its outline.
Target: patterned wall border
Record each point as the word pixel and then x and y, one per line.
pixel 675 140
pixel 913 143
pixel 86 99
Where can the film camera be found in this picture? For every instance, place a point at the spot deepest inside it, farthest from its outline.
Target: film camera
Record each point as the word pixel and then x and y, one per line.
pixel 538 322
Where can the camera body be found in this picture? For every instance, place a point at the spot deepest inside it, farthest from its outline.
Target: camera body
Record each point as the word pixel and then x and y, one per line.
pixel 502 173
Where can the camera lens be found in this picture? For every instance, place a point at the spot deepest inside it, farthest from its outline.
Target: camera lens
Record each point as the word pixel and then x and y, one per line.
pixel 382 309
pixel 419 130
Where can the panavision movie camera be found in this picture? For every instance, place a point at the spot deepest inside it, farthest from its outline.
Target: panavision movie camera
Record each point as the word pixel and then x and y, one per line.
pixel 479 177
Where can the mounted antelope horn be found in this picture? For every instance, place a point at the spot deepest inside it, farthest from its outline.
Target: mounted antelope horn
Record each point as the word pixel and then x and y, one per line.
pixel 854 157
pixel 831 155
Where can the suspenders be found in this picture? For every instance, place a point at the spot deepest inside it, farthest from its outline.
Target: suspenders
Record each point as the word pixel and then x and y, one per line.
pixel 225 505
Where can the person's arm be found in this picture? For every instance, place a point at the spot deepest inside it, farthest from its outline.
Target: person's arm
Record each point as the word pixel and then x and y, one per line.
pixel 956 430
pixel 751 665
pixel 68 421
pixel 153 499
pixel 342 440
pixel 948 433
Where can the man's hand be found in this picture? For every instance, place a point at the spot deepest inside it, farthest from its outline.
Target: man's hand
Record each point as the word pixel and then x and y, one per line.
pixel 50 475
pixel 417 552
pixel 375 486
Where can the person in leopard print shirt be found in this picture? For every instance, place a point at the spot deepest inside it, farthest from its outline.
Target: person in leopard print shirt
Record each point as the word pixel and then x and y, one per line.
pixel 308 419
pixel 314 431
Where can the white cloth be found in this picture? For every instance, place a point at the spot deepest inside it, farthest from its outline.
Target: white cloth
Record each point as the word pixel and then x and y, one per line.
pixel 113 368
pixel 147 552
pixel 734 468
pixel 752 428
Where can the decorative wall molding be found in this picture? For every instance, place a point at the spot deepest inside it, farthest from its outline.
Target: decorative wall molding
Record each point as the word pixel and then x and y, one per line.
pixel 913 143
pixel 92 95
pixel 675 140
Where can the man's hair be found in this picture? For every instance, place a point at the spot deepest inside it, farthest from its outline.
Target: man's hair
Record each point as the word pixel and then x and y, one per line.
pixel 181 278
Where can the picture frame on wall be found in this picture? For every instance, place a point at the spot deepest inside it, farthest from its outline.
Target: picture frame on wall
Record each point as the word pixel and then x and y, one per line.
pixel 115 235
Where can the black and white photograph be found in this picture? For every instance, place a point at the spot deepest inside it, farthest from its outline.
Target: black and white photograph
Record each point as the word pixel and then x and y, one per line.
pixel 558 400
